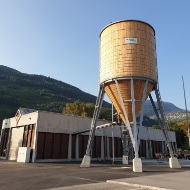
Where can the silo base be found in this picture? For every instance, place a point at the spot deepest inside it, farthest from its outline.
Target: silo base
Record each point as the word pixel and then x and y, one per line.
pixel 137 165
pixel 85 161
pixel 174 163
pixel 125 160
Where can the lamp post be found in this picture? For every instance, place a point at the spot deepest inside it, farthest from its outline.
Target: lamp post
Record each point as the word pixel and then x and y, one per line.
pixel 188 128
pixel 112 138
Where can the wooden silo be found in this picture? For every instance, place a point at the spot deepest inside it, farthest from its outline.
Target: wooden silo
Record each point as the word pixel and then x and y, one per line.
pixel 127 50
pixel 128 75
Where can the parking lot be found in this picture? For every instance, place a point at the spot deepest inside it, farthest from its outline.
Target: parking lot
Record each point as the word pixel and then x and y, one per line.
pixel 15 175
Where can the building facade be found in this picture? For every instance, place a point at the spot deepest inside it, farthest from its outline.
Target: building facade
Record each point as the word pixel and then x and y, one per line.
pixel 59 137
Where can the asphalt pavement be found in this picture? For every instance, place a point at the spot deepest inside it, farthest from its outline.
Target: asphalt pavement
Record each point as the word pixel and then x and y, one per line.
pixel 101 175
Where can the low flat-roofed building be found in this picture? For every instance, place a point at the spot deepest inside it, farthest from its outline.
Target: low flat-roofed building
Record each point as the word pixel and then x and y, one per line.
pixel 59 137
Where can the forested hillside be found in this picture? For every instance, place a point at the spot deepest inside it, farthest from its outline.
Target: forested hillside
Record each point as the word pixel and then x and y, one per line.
pixel 37 92
pixel 44 93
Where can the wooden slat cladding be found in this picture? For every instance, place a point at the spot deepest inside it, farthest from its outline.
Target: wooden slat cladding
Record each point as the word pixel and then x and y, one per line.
pixel 4 141
pixel 105 147
pixel 85 144
pixel 64 145
pixel 56 146
pixel 119 59
pixel 98 147
pixel 81 145
pixel 83 141
pixel 73 146
pixel 110 147
pixel 142 148
pixel 40 145
pixel 48 146
pixel 28 136
pixel 125 88
pixel 52 145
pixel 120 151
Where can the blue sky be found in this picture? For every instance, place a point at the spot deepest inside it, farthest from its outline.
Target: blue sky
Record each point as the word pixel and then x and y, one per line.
pixel 60 39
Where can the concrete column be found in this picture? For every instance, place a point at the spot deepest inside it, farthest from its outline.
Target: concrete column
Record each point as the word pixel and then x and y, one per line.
pixel 77 148
pixel 35 145
pixel 147 153
pixel 174 163
pixel 108 148
pixel 163 148
pixel 137 165
pixel 70 147
pixel 102 148
pixel 150 148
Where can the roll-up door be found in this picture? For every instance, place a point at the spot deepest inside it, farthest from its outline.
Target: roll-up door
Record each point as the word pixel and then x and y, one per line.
pixel 16 142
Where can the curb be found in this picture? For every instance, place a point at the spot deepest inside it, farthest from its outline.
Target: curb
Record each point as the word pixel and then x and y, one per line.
pixel 136 185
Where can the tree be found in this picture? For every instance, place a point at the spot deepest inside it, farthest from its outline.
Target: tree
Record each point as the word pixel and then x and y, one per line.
pixel 76 108
pixel 79 108
pixel 180 135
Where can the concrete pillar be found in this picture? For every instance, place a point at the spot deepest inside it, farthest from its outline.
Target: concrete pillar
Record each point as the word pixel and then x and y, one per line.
pixel 70 147
pixel 163 148
pixel 35 145
pixel 108 148
pixel 137 165
pixel 77 148
pixel 102 148
pixel 174 163
pixel 147 152
pixel 85 161
pixel 150 149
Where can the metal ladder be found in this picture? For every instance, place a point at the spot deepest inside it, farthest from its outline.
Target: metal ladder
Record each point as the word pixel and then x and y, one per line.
pixel 162 119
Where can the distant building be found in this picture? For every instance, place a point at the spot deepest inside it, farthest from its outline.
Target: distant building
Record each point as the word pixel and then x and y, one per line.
pixel 59 137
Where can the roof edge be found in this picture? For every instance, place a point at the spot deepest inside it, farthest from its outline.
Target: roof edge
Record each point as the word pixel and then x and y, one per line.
pixel 126 21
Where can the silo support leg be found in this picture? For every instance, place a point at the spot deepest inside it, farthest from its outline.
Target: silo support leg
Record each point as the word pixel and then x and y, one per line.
pixel 87 156
pixel 137 163
pixel 174 162
pixel 142 111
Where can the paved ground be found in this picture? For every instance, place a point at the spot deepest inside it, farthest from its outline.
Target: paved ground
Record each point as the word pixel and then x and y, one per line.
pixel 36 176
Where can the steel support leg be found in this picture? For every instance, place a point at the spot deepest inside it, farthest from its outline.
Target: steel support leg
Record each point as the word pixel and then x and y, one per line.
pixel 142 110
pixel 137 163
pixel 127 124
pixel 134 121
pixel 86 158
pixel 173 162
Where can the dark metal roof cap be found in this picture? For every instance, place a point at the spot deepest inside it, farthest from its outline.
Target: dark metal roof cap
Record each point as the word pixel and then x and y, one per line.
pixel 126 21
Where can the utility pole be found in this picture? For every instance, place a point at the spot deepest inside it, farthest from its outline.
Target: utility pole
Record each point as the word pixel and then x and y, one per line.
pixel 112 138
pixel 188 127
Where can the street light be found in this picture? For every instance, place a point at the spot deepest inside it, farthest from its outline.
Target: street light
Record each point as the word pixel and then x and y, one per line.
pixel 188 128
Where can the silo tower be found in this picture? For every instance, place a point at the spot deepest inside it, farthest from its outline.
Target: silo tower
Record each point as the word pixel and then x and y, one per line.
pixel 128 75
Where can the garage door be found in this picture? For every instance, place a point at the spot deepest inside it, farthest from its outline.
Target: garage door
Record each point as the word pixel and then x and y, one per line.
pixel 16 142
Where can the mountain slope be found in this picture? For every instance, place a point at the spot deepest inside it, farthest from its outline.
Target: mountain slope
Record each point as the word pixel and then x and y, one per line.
pixel 39 92
pixel 36 91
pixel 168 108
